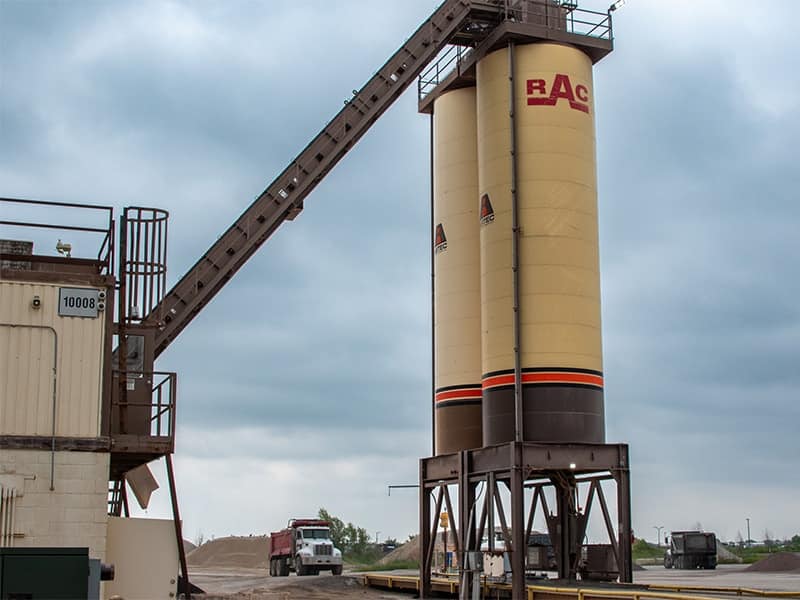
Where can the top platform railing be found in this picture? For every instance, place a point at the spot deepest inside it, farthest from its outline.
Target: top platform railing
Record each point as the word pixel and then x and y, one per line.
pixel 448 61
pixel 63 217
pixel 564 16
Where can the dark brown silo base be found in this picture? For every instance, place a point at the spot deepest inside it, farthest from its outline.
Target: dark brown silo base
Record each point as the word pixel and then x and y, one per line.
pixel 458 427
pixel 551 413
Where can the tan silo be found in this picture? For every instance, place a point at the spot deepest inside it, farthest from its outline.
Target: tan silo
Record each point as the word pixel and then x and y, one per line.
pixel 558 286
pixel 457 312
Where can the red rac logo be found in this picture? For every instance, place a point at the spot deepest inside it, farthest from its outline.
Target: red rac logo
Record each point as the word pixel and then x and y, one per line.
pixel 539 94
pixel 439 240
pixel 487 212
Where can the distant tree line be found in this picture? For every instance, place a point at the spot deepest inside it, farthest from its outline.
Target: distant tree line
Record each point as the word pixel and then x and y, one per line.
pixel 349 538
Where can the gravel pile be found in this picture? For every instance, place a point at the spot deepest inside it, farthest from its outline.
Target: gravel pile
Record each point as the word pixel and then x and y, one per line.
pixel 406 552
pixel 241 552
pixel 410 551
pixel 726 556
pixel 780 562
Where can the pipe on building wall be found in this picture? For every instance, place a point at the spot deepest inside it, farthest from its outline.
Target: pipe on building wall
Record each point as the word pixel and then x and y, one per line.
pixel 519 434
pixel 55 385
pixel 3 518
pixel 7 500
pixel 12 518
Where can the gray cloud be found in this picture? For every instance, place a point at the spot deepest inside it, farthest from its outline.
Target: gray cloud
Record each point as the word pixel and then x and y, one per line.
pixel 701 330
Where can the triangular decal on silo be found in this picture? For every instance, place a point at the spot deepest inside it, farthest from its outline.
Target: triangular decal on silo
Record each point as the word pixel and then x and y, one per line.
pixel 439 239
pixel 487 212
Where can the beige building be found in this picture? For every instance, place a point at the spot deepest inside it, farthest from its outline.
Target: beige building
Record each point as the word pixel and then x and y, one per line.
pixel 70 433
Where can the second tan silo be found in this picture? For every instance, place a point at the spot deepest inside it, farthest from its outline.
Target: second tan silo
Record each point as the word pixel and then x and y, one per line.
pixel 559 284
pixel 457 337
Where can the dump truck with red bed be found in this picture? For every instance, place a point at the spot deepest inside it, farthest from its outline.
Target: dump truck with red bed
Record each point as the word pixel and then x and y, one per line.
pixel 305 547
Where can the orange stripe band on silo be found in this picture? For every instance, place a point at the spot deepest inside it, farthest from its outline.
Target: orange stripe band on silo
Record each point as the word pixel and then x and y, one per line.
pixel 545 376
pixel 453 395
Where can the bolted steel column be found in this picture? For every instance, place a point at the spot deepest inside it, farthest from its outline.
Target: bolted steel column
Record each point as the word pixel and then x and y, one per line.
pixel 624 518
pixel 519 543
pixel 466 525
pixel 424 534
pixel 566 528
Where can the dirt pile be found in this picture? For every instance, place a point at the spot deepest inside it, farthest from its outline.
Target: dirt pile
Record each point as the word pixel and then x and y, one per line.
pixel 780 562
pixel 726 556
pixel 243 552
pixel 410 551
pixel 407 552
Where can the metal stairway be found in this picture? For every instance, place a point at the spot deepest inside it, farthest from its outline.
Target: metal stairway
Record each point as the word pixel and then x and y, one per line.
pixel 118 498
pixel 283 198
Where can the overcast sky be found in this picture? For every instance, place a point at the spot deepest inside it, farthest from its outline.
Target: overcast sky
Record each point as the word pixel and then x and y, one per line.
pixel 306 382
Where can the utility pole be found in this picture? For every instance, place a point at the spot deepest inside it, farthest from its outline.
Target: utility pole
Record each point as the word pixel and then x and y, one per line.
pixel 377 533
pixel 748 531
pixel 658 529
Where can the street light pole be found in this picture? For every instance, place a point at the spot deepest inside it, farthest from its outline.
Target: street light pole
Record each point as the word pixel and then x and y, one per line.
pixel 658 529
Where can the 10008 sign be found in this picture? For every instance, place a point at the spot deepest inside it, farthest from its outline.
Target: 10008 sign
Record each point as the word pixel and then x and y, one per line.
pixel 80 302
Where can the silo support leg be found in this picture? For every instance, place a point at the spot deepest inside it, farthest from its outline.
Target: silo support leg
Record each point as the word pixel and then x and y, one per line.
pixel 624 526
pixel 519 543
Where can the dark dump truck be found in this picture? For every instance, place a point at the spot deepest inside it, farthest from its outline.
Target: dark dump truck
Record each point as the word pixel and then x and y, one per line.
pixel 691 550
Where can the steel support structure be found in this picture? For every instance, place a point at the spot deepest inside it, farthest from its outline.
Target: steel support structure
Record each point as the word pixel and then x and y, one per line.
pixel 478 476
pixel 185 585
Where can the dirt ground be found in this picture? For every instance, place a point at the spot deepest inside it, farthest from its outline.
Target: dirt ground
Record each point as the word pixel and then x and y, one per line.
pixel 236 568
pixel 722 576
pixel 256 584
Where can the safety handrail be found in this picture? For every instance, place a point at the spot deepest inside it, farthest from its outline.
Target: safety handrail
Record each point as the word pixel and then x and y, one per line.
pixel 105 254
pixel 162 403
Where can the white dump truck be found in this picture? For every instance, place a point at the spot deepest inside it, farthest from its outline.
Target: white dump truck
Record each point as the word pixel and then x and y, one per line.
pixel 305 547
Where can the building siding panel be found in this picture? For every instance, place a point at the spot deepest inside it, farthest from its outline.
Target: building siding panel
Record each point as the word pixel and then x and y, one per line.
pixel 32 340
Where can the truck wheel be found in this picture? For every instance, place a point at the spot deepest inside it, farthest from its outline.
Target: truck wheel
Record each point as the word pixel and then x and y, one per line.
pixel 283 567
pixel 337 570
pixel 299 568
pixel 272 567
